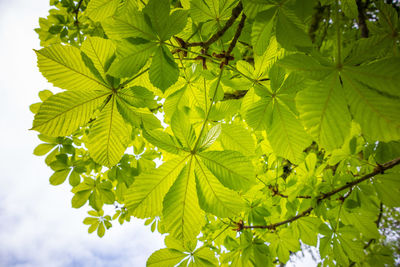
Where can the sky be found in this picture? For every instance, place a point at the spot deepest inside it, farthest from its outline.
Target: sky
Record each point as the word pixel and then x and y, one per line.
pixel 38 226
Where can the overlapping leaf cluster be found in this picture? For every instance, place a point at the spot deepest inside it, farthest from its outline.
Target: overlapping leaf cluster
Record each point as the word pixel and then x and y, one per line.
pixel 281 121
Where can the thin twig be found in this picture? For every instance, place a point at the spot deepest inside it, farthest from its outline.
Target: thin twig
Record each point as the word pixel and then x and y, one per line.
pixel 378 170
pixel 235 13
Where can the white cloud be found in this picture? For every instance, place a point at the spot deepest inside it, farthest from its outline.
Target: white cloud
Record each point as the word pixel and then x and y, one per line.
pixel 38 227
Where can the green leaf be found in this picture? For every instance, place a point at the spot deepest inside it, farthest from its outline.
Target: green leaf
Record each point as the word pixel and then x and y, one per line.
pixel 286 135
pixel 213 196
pixel 101 230
pixel 181 212
pixel 378 115
pixel 131 57
pixel 306 65
pixel 100 51
pixel 259 114
pixel 324 113
pixel 109 136
pixel 237 137
pixel 183 130
pixel 98 10
pixel 232 169
pixel 165 257
pixel 209 138
pixel 388 187
pixel 308 230
pixel 137 96
pixel 382 75
pixel 289 32
pixel 163 71
pixel 65 112
pixel 262 30
pixel 144 197
pixel 63 66
pixel 129 23
pixel 202 11
pixel 175 24
pixel 158 12
pixel 137 116
pixel 163 140
pixel 43 149
pixel 59 176
pixel 350 8
pixel 80 198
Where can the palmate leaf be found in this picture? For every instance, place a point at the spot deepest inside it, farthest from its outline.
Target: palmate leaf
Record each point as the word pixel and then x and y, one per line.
pixel 145 196
pixel 100 51
pixel 384 75
pixel 306 65
pixel 286 135
pixel 182 215
pixel 99 10
pixel 109 136
pixel 163 140
pixel 378 115
pixel 163 71
pixel 262 30
pixel 324 113
pixel 259 114
pixel 237 137
pixel 231 168
pixel 65 112
pixel 63 66
pixel 183 130
pixel 132 55
pixel 202 11
pixel 137 116
pixel 128 23
pixel 289 32
pixel 213 196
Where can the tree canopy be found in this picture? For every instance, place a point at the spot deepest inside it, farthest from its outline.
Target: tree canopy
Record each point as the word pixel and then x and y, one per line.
pixel 277 119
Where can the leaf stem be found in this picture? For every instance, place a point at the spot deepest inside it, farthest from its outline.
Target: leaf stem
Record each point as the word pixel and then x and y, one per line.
pixel 209 109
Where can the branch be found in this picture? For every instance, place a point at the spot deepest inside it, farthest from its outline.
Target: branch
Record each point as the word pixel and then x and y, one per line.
pixel 235 13
pixel 378 170
pixel 361 18
pixel 77 11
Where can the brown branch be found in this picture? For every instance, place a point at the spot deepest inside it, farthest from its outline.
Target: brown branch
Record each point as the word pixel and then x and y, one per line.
pixel 362 18
pixel 378 170
pixel 77 12
pixel 237 34
pixel 235 13
pixel 274 225
pixel 235 95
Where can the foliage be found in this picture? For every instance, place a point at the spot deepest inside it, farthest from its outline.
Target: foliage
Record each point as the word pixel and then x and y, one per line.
pixel 278 119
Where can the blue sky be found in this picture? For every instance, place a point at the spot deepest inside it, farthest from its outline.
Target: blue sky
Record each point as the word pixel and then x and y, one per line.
pixel 38 226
